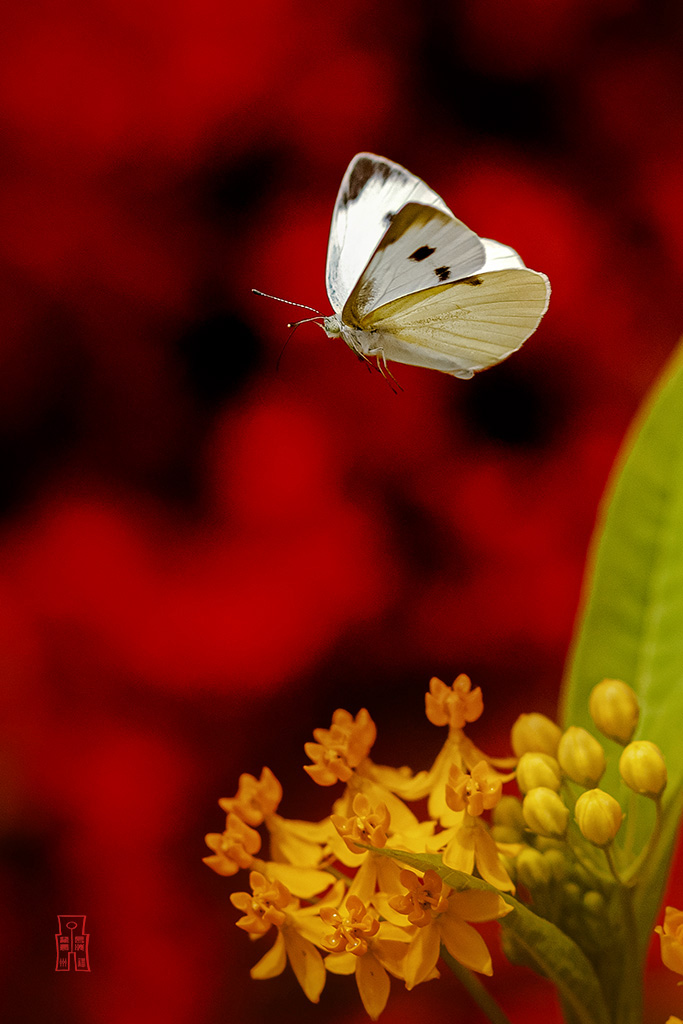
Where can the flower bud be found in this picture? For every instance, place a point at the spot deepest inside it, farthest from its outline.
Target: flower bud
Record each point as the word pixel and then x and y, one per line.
pixel 545 843
pixel 614 709
pixel 536 769
pixel 508 811
pixel 599 816
pixel 557 862
pixel 532 868
pixel 595 904
pixel 535 732
pixel 573 893
pixel 544 812
pixel 642 768
pixel 505 834
pixel 581 757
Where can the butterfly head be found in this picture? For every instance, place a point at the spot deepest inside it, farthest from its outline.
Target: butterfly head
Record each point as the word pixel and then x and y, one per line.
pixel 332 326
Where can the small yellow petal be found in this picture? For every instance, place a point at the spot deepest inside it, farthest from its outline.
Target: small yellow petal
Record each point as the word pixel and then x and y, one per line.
pixel 422 955
pixel 479 905
pixel 273 963
pixel 373 984
pixel 301 881
pixel 465 944
pixel 459 854
pixel 307 963
pixel 341 963
pixel 489 864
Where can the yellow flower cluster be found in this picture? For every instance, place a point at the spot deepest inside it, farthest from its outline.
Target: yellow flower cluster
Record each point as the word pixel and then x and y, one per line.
pixel 342 902
pixel 338 902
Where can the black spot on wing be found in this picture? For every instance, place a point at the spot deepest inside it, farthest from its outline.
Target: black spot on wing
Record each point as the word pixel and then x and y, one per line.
pixel 363 170
pixel 388 218
pixel 471 280
pixel 421 254
pixel 443 273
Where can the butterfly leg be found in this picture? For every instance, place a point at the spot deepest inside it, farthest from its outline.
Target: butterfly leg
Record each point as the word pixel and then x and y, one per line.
pixel 381 361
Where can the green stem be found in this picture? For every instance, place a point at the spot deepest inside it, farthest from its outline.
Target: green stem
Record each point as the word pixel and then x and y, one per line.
pixel 629 993
pixel 481 996
pixel 631 875
pixel 630 996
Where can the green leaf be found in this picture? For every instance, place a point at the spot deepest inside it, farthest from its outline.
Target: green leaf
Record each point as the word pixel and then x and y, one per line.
pixel 631 626
pixel 537 942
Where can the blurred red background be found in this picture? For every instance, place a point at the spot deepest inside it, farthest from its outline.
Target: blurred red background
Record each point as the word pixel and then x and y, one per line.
pixel 203 558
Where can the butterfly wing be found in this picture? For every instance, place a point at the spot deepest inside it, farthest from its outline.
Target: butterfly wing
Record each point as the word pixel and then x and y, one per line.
pixel 423 247
pixel 499 256
pixel 462 327
pixel 372 191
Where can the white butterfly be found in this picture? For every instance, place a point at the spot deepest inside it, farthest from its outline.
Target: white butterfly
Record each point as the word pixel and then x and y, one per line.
pixel 411 283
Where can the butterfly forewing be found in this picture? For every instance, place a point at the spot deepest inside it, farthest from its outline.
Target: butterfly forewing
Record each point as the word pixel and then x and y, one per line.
pixel 462 327
pixel 422 248
pixel 372 192
pixel 500 257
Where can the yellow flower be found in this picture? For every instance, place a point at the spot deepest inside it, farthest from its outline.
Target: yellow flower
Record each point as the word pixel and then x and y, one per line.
pixel 476 791
pixel 367 824
pixel 671 939
pixel 256 799
pixel 264 908
pixel 441 917
pixel 453 706
pixel 375 826
pixel 234 848
pixel 270 904
pixel 340 749
pixel 366 947
pixel 472 845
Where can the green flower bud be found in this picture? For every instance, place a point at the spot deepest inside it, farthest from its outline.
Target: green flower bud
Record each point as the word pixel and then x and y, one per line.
pixel 614 709
pixel 532 868
pixel 599 816
pixel 505 834
pixel 536 769
pixel 573 893
pixel 544 812
pixel 557 862
pixel 642 768
pixel 508 811
pixel 581 757
pixel 536 733
pixel 595 904
pixel 544 843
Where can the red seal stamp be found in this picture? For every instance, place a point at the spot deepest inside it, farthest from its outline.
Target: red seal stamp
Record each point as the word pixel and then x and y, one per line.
pixel 72 943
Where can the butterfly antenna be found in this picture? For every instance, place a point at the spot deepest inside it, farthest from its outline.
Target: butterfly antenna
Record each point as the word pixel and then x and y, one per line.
pixel 282 350
pixel 288 301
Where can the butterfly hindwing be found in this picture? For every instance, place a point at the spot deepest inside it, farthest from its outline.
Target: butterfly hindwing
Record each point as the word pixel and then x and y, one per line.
pixel 372 192
pixel 422 247
pixel 462 327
